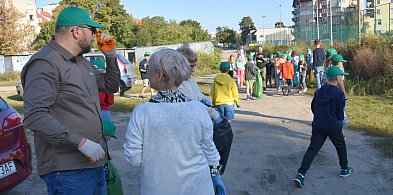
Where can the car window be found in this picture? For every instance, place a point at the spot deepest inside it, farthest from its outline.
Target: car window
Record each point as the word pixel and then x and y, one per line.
pixel 92 58
pixel 123 59
pixel 3 105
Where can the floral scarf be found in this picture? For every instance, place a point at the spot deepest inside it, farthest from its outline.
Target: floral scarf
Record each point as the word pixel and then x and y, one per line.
pixel 169 96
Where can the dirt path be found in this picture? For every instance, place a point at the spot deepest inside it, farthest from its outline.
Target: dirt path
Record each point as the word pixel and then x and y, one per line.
pixel 270 137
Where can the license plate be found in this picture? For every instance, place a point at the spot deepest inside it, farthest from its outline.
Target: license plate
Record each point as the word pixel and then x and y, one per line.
pixel 7 168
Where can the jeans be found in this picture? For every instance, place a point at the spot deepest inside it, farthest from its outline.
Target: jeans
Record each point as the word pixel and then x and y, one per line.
pixel 290 84
pixel 303 84
pixel 318 73
pixel 263 74
pixel 226 110
pixel 317 140
pixel 278 80
pixel 75 182
pixel 240 77
pixel 106 114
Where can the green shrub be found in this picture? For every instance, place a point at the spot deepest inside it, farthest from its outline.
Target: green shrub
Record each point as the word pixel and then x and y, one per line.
pixel 209 62
pixel 10 76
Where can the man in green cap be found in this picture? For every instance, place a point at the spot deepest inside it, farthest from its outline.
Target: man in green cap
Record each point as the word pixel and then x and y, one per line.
pixel 145 74
pixel 327 107
pixel 62 108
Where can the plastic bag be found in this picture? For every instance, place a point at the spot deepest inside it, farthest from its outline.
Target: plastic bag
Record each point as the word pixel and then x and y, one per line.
pixel 222 138
pixel 258 86
pixel 113 181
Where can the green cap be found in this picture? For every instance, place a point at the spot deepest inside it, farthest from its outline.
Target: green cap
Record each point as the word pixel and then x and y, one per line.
pixel 301 56
pixel 279 53
pixel 147 53
pixel 289 57
pixel 308 49
pixel 272 55
pixel 109 128
pixel 250 57
pixel 98 63
pixel 74 16
pixel 334 71
pixel 224 66
pixel 285 55
pixel 338 58
pixel 331 52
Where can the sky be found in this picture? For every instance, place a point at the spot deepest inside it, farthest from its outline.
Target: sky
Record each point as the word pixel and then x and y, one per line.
pixel 210 13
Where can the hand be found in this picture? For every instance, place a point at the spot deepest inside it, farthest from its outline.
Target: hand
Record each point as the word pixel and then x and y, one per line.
pixel 91 150
pixel 238 105
pixel 106 44
pixel 207 102
pixel 218 185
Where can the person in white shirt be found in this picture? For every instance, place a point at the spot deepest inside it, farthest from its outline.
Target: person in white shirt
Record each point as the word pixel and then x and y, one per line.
pixel 171 136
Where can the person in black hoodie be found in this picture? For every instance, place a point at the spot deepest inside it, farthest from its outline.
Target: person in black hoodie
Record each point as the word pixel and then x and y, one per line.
pixel 327 107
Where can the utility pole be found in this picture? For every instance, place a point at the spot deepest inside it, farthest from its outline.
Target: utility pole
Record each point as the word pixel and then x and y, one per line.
pixel 331 23
pixel 360 3
pixel 317 4
pixel 263 29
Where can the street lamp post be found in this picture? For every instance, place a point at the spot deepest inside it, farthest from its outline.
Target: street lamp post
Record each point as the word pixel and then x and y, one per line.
pixel 281 38
pixel 263 29
pixel 331 23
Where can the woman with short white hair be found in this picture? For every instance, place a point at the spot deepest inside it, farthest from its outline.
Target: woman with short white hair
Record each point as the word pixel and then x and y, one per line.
pixel 171 137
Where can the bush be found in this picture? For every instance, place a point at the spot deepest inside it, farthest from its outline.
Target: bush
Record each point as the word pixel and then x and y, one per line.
pixel 10 76
pixel 209 62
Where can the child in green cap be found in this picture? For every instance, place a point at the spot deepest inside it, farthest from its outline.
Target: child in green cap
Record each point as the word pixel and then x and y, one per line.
pixel 337 60
pixel 224 93
pixel 327 107
pixel 250 72
pixel 303 73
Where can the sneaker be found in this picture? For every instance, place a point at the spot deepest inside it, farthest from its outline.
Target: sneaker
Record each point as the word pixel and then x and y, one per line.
pixel 346 172
pixel 305 90
pixel 301 91
pixel 299 180
pixel 248 98
pixel 283 92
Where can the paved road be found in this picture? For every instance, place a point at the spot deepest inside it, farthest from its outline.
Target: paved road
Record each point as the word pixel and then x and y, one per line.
pixel 270 138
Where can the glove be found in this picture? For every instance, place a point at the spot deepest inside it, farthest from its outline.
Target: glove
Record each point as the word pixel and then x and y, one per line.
pixel 106 44
pixel 91 150
pixel 207 102
pixel 238 105
pixel 218 185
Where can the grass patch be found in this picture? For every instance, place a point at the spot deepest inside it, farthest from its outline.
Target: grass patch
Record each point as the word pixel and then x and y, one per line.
pixel 13 99
pixel 9 83
pixel 372 114
pixel 125 104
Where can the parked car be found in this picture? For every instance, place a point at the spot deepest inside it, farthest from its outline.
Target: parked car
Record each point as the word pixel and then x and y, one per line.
pixel 15 150
pixel 127 72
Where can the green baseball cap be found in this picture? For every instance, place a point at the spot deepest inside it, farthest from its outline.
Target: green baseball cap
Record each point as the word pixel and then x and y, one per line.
pixel 109 128
pixel 308 49
pixel 99 64
pixel 331 52
pixel 338 58
pixel 334 71
pixel 289 57
pixel 224 66
pixel 250 57
pixel 301 56
pixel 74 16
pixel 147 53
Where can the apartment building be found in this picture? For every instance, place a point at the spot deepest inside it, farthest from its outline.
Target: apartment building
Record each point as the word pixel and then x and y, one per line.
pixel 378 16
pixel 276 36
pixel 44 13
pixel 324 19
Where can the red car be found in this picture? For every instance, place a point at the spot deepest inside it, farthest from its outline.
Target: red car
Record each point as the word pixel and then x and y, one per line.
pixel 15 150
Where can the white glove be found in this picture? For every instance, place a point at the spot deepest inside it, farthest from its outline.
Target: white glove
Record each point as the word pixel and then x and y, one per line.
pixel 92 151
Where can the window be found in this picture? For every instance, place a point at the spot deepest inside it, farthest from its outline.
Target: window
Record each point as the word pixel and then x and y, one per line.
pixel 379 22
pixel 310 4
pixel 31 17
pixel 378 12
pixel 324 11
pixel 378 2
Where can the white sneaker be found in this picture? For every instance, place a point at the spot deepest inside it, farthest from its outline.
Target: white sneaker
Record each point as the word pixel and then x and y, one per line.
pixel 301 91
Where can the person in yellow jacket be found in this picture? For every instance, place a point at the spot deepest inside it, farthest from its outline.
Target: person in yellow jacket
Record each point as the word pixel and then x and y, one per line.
pixel 224 93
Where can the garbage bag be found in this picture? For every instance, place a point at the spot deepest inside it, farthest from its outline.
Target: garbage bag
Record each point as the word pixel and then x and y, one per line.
pixel 257 90
pixel 222 138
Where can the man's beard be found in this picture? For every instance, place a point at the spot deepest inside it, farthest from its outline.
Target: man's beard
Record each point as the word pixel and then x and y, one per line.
pixel 84 45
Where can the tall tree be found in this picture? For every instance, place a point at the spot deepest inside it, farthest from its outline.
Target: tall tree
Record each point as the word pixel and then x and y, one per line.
pixel 118 23
pixel 197 32
pixel 15 35
pixel 226 35
pixel 246 26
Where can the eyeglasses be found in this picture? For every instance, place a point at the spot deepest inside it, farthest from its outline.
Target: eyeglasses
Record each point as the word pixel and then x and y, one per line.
pixel 92 29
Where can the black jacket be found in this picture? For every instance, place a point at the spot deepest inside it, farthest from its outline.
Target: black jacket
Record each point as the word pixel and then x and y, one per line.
pixel 328 109
pixel 250 71
pixel 318 57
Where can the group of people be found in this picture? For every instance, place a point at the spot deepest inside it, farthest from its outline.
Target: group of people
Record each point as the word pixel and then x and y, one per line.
pixel 67 101
pixel 171 137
